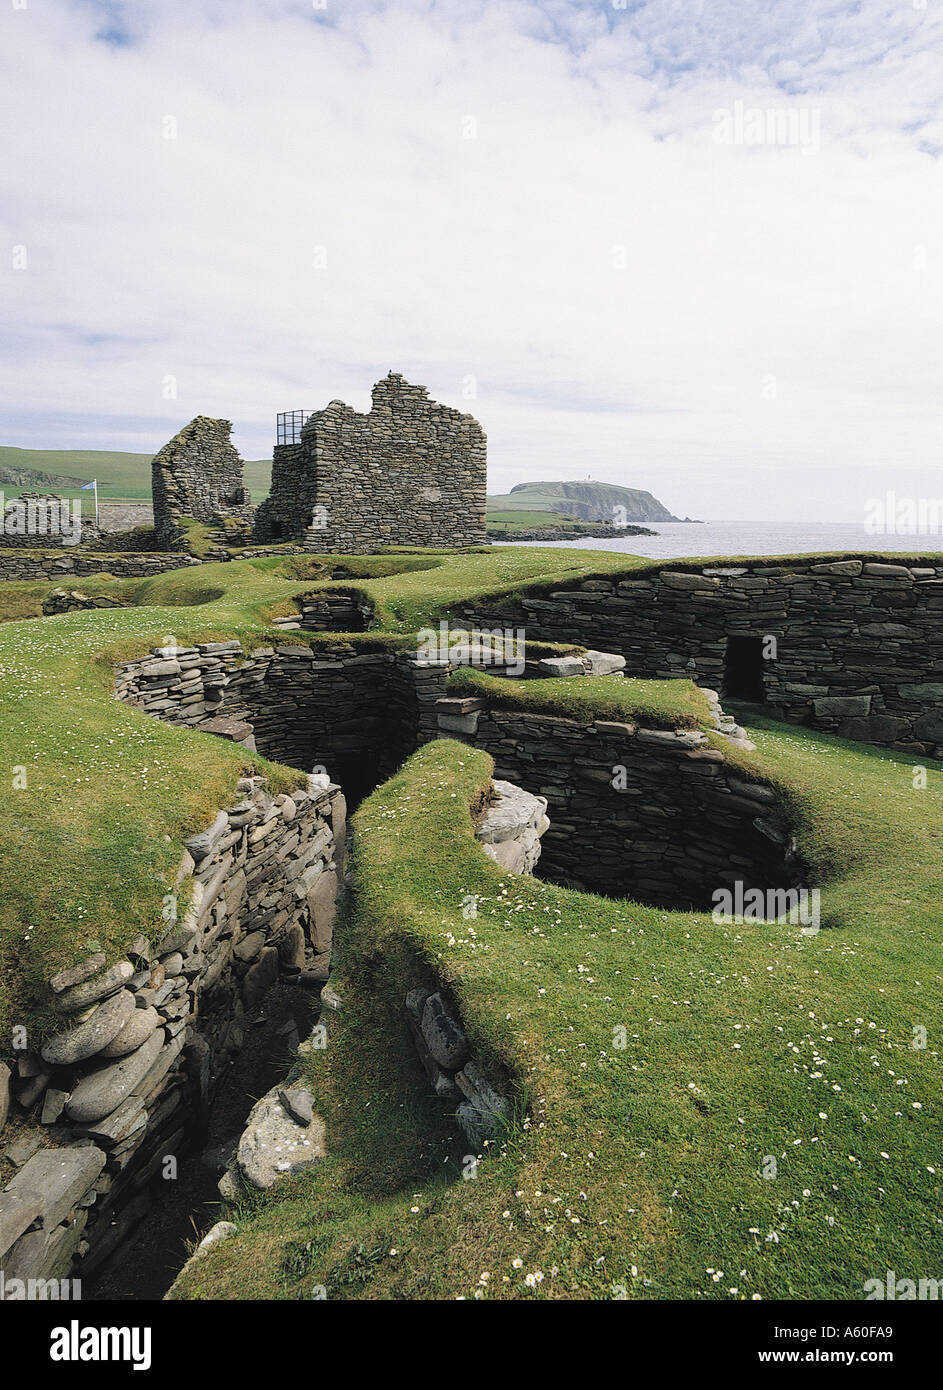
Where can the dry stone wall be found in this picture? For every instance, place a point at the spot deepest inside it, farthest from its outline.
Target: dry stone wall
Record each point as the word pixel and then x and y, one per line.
pixel 127 1082
pixel 858 644
pixel 74 601
pixel 651 814
pixel 411 472
pixel 198 474
pixel 61 564
pixel 356 713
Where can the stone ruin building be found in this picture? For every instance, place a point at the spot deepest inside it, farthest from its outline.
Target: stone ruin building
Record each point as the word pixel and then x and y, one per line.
pixel 198 474
pixel 409 472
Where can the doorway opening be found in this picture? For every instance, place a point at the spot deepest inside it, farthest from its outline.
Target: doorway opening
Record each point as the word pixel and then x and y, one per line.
pixel 743 670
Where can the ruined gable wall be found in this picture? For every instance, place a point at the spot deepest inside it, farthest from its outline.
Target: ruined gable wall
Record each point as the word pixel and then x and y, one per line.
pixel 411 472
pixel 197 474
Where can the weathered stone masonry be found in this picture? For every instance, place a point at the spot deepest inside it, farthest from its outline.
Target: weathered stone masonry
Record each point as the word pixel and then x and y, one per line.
pixel 198 474
pixel 62 564
pixel 859 643
pixel 357 713
pixel 411 472
pixel 678 823
pixel 132 1082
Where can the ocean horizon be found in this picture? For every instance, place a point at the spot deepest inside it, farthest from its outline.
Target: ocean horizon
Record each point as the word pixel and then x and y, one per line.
pixel 686 539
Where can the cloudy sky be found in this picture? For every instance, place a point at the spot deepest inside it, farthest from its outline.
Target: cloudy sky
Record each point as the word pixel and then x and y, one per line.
pixel 566 218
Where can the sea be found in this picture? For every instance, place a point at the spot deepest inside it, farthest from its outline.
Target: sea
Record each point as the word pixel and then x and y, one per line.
pixel 683 539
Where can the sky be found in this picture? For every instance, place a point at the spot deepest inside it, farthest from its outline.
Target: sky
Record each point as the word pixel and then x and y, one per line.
pixel 693 246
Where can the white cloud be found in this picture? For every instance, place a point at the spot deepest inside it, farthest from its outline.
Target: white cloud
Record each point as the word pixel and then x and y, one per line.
pixel 748 271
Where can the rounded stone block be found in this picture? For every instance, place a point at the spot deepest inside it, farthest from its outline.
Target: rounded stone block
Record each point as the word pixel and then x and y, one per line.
pixel 75 1044
pixel 136 1031
pixel 102 1091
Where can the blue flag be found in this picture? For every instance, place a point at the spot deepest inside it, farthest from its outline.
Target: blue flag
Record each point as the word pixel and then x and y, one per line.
pixel 87 486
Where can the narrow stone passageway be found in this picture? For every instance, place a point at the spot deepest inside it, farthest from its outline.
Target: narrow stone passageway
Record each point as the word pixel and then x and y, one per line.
pixel 184 1208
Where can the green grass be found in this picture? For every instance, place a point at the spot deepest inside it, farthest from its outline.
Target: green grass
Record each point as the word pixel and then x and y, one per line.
pixel 106 784
pixel 675 704
pixel 657 1149
pixel 521 519
pixel 122 477
pixel 642 1167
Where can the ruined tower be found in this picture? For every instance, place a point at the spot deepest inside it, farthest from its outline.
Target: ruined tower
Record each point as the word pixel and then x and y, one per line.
pixel 409 472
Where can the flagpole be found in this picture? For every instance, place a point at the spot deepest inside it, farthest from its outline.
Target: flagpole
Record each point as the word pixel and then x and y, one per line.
pixel 95 481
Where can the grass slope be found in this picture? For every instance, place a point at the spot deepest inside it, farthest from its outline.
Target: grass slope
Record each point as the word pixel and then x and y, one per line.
pixel 122 477
pixel 749 1050
pixel 104 783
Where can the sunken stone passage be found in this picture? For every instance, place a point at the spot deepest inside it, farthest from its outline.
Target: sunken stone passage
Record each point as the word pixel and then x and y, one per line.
pixel 655 815
pixel 198 474
pixel 127 1082
pixel 282 1134
pixel 856 649
pixel 410 472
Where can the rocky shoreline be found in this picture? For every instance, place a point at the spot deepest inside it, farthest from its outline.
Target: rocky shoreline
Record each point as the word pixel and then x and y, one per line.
pixel 603 531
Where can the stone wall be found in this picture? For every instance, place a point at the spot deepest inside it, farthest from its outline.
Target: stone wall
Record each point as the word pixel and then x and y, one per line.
pixel 124 516
pixel 288 511
pixel 650 814
pixel 411 472
pixel 63 563
pixel 128 1081
pixel 858 643
pixel 38 520
pixel 358 714
pixel 73 601
pixel 333 610
pixel 198 474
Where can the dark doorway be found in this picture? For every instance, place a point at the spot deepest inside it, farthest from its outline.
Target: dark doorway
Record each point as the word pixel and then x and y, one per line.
pixel 743 669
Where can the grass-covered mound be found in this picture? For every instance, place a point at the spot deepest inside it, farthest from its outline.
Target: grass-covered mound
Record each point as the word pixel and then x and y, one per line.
pixel 674 704
pixel 743 1043
pixel 750 1050
pixel 87 845
pixel 409 588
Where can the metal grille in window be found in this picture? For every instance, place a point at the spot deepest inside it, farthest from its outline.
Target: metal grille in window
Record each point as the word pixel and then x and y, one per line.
pixel 289 425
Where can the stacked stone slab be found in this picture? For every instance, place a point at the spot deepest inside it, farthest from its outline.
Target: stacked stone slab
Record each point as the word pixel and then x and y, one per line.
pixel 73 601
pixel 410 472
pixel 60 563
pixel 510 826
pixel 198 474
pixel 651 814
pixel 859 643
pixel 145 1041
pixel 452 1073
pixel 333 610
pixel 302 707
